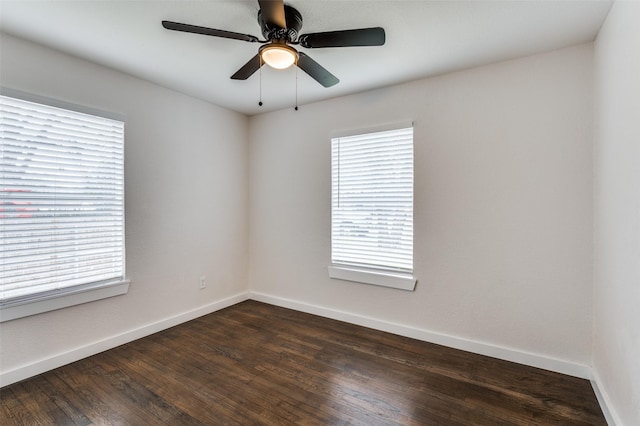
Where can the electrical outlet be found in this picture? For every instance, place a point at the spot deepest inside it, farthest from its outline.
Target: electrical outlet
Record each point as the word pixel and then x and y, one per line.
pixel 203 282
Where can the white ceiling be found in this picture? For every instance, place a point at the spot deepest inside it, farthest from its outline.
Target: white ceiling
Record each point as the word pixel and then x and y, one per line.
pixel 424 38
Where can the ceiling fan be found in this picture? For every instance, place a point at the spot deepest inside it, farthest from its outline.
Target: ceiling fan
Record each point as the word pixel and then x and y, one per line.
pixel 280 24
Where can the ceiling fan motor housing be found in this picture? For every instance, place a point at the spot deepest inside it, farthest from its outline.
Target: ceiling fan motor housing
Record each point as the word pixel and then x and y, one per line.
pixel 293 19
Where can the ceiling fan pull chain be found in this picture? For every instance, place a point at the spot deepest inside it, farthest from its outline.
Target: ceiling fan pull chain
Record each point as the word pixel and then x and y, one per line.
pixel 296 108
pixel 260 68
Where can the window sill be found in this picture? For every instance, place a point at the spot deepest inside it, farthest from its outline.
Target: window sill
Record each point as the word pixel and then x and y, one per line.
pixel 399 281
pixel 73 296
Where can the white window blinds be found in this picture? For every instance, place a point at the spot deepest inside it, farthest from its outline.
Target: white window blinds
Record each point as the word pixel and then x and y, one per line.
pixel 61 199
pixel 372 201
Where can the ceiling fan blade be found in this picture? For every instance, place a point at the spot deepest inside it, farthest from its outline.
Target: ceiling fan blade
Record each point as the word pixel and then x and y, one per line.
pixel 273 12
pixel 316 71
pixel 248 69
pixel 177 26
pixel 346 38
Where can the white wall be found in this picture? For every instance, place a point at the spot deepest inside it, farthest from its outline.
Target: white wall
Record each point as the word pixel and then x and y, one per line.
pixel 186 209
pixel 616 324
pixel 503 208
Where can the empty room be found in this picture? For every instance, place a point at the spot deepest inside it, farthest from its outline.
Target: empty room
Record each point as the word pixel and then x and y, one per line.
pixel 319 212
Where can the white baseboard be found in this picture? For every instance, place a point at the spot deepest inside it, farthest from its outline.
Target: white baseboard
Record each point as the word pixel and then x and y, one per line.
pixel 603 399
pixel 560 366
pixel 533 360
pixel 38 367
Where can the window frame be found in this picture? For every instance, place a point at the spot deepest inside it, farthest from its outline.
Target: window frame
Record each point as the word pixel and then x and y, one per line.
pixel 32 304
pixel 403 280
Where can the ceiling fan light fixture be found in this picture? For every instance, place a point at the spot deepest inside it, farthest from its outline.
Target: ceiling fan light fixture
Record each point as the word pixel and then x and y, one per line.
pixel 278 56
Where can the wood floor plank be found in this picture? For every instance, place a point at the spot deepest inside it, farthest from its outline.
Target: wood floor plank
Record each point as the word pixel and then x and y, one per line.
pixel 258 364
pixel 12 411
pixel 39 404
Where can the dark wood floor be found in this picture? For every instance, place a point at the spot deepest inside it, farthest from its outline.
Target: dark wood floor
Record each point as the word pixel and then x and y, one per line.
pixel 255 363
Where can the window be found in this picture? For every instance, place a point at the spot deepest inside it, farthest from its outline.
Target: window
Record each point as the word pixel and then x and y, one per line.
pixel 61 207
pixel 372 208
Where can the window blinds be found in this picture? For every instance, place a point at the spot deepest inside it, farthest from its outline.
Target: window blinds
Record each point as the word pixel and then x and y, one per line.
pixel 62 199
pixel 372 201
